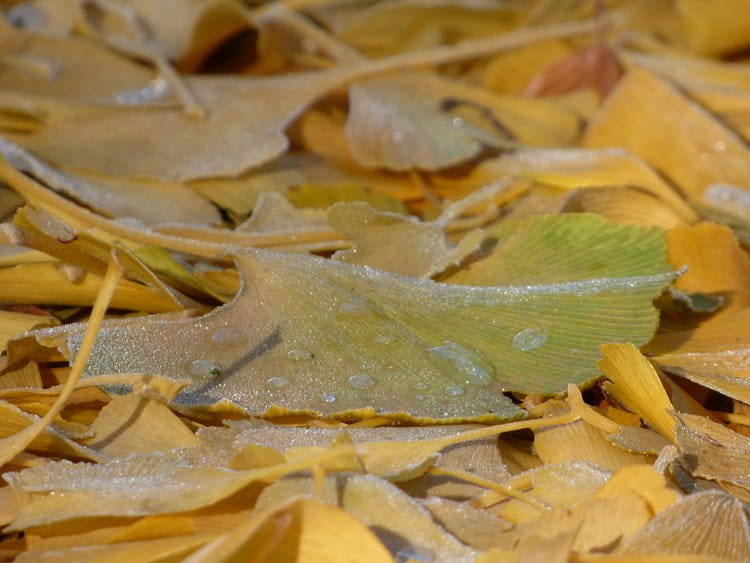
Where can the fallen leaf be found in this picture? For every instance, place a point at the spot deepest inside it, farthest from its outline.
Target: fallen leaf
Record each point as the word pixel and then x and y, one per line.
pixel 135 424
pixel 716 264
pixel 386 321
pixel 594 67
pixel 667 129
pixel 580 168
pixel 714 29
pixel 428 252
pixel 578 440
pixel 710 524
pixel 303 529
pixel 565 248
pixel 637 383
pixel 713 451
pixel 402 524
pixel 623 204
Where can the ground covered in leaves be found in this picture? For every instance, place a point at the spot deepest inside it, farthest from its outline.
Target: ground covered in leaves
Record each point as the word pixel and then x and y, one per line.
pixel 339 281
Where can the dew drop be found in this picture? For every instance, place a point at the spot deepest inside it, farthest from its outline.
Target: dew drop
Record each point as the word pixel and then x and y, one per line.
pixel 421 385
pixel 385 339
pixel 412 553
pixel 354 306
pixel 421 397
pixel 530 339
pixel 228 337
pixel 462 364
pixel 454 390
pixel 299 354
pixel 329 397
pixel 277 381
pixel 360 381
pixel 205 368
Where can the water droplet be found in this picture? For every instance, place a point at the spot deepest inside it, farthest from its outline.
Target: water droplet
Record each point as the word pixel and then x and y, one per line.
pixel 385 339
pixel 227 337
pixel 420 385
pixel 574 350
pixel 531 339
pixel 356 305
pixel 329 397
pixel 462 364
pixel 205 368
pixel 458 122
pixel 299 354
pixel 421 397
pixel 454 390
pixel 360 381
pixel 720 146
pixel 277 381
pixel 412 553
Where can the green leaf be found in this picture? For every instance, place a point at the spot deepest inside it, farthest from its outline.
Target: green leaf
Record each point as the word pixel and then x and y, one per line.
pixel 317 336
pixel 566 248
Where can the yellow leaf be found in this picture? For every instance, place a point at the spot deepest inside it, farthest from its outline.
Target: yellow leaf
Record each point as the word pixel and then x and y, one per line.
pixel 12 324
pixel 299 529
pixel 637 382
pixel 715 263
pixel 654 121
pixel 132 424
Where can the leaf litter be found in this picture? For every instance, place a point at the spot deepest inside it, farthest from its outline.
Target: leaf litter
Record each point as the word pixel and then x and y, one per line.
pixel 466 280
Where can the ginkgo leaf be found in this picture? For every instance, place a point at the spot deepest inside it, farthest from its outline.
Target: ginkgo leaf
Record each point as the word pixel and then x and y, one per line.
pixel 156 485
pixel 582 168
pixel 314 335
pixel 301 529
pixel 594 67
pixel 246 117
pixel 149 203
pixel 423 121
pixel 720 27
pixel 480 457
pixel 565 248
pixel 135 424
pixel 708 523
pixel 716 264
pixel 471 525
pixel 383 29
pixel 66 69
pixel 425 249
pixel 187 39
pixel 402 524
pixel 273 212
pixel 579 440
pixel 155 550
pixel 623 204
pixel 12 324
pixel 393 124
pixel 712 450
pixel 716 355
pixel 666 129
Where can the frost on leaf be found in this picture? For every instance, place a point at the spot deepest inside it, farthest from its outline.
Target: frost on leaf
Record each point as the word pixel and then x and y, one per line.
pixel 313 335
